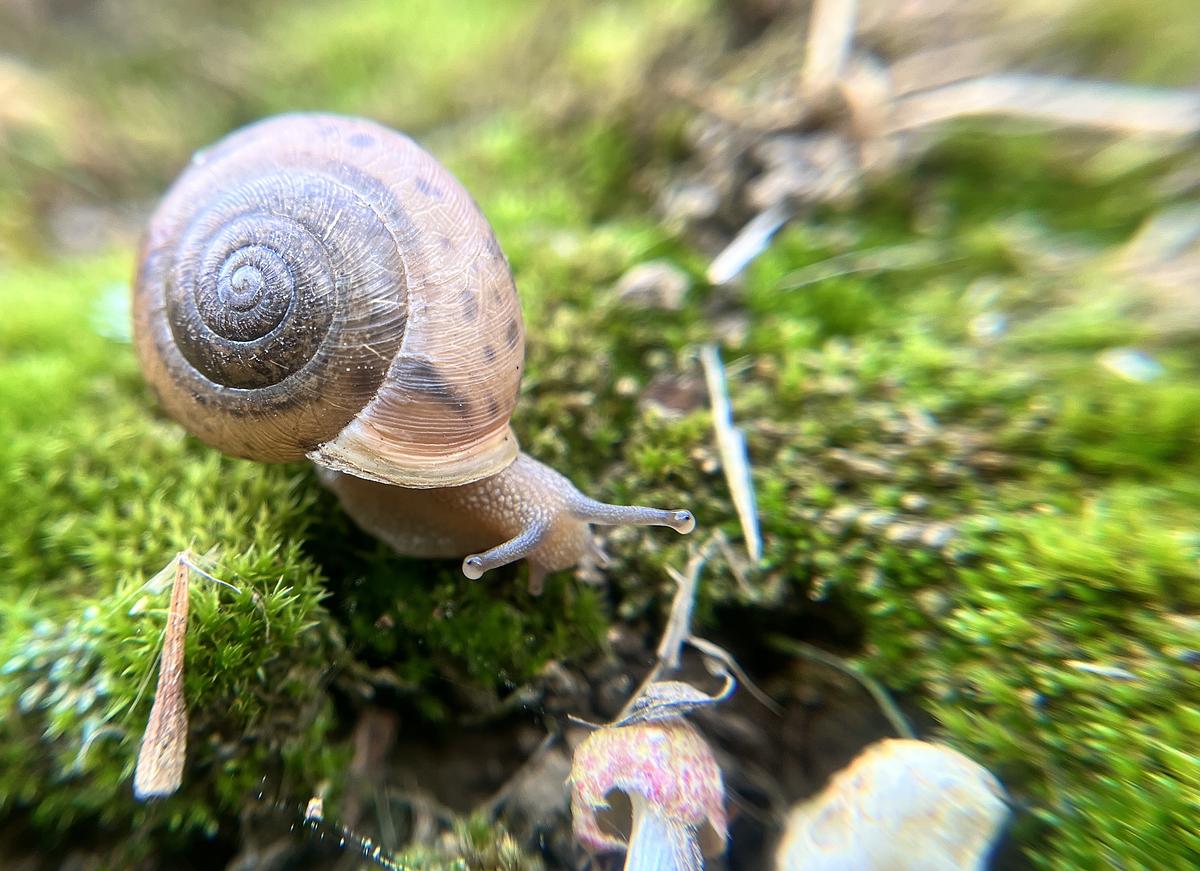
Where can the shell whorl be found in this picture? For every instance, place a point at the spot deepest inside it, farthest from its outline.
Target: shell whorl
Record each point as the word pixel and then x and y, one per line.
pixel 320 286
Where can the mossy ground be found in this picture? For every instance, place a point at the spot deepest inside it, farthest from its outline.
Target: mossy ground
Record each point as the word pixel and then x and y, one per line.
pixel 1068 498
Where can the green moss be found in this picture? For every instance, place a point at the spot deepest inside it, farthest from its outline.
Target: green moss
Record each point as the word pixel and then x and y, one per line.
pixel 1007 528
pixel 1054 628
pixel 1107 751
pixel 421 65
pixel 1056 633
pixel 1125 39
pixel 98 493
pixel 475 843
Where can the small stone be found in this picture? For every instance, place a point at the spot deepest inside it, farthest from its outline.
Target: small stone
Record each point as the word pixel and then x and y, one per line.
pixel 840 518
pixel 938 535
pixel 624 641
pixel 612 694
pixel 689 203
pixel 804 168
pixel 732 328
pixel 315 811
pixel 559 681
pixel 658 284
pixel 914 502
pixel 626 387
pixel 874 520
pixel 933 603
pixel 859 465
pixel 991 461
pixel 674 396
pixel 927 804
pixel 904 533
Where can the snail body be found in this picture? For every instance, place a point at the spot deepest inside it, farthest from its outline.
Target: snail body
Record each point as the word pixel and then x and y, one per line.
pixel 319 286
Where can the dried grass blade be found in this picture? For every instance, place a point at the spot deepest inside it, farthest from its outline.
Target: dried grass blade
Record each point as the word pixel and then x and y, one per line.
pixel 732 447
pixel 161 758
pixel 1128 109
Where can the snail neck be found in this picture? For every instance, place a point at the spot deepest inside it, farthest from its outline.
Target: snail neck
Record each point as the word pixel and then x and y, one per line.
pixel 525 511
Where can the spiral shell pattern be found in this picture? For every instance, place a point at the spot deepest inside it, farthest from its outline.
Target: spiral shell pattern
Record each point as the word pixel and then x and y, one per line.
pixel 317 285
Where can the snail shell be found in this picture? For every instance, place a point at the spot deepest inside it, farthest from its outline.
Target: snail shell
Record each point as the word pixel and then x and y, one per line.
pixel 320 286
pixel 317 286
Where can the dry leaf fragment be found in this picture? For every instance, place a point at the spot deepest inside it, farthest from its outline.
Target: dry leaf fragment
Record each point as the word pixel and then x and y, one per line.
pixel 159 770
pixel 164 745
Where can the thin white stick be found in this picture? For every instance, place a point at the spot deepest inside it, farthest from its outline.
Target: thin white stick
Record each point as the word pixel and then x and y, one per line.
pixel 732 447
pixel 830 39
pixel 1130 109
pixel 679 623
pixel 750 241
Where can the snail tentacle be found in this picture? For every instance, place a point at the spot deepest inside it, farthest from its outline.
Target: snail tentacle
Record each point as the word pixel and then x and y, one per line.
pixel 606 514
pixel 516 548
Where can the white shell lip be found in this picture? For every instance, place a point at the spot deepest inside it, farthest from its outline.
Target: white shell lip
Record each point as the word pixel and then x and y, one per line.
pixel 357 451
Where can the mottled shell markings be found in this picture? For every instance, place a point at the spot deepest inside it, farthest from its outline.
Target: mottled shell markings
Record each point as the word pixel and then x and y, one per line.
pixel 317 286
pixel 328 281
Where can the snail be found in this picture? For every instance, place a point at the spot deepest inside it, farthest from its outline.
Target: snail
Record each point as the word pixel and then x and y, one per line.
pixel 320 286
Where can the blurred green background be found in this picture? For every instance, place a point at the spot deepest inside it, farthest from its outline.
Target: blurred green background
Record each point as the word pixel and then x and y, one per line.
pixel 970 398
